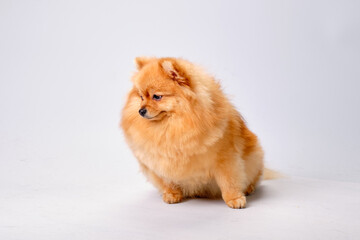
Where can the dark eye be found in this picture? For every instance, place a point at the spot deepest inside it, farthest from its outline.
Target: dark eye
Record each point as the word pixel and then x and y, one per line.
pixel 142 98
pixel 156 97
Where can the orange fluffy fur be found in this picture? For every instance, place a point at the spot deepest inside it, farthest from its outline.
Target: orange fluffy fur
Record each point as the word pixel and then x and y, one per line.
pixel 191 142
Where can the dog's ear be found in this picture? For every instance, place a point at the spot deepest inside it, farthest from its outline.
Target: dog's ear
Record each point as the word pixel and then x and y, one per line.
pixel 142 61
pixel 174 72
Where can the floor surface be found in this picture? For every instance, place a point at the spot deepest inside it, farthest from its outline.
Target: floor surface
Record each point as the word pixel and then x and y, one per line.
pixel 288 208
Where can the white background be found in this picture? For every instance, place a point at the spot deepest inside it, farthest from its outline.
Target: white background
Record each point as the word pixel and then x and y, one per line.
pixel 292 68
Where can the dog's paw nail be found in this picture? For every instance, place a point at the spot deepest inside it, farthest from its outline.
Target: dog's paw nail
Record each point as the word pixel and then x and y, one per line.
pixel 239 202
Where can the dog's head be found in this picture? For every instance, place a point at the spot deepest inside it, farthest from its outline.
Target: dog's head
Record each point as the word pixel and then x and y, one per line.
pixel 162 86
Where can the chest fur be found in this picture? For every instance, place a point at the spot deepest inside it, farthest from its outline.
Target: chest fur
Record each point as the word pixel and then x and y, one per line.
pixel 178 166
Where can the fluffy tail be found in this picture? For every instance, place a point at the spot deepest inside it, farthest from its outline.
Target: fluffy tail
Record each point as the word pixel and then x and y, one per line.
pixel 271 174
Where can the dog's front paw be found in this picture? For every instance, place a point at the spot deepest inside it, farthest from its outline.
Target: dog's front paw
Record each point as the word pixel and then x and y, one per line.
pixel 171 197
pixel 239 202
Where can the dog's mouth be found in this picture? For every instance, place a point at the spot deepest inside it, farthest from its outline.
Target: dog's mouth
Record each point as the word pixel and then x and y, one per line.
pixel 156 117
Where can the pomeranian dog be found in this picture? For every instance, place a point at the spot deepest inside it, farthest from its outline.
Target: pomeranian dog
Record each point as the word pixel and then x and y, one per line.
pixel 189 139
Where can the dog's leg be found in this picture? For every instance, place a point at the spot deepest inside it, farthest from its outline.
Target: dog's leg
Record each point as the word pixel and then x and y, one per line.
pixel 171 193
pixel 251 187
pixel 231 178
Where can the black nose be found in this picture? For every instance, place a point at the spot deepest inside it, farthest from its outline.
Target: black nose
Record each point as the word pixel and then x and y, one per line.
pixel 142 111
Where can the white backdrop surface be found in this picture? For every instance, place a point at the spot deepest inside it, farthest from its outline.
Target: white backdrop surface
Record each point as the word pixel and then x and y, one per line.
pixel 292 68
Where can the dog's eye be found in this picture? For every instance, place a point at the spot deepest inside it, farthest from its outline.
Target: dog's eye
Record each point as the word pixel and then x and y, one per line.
pixel 142 98
pixel 156 97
